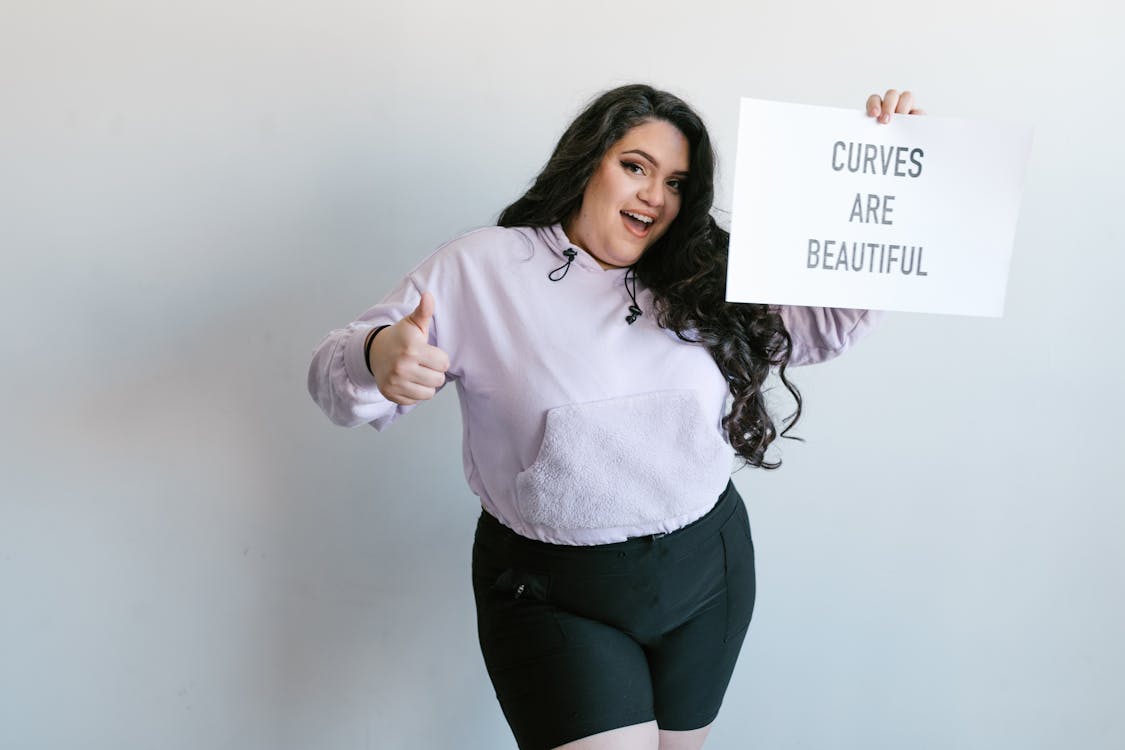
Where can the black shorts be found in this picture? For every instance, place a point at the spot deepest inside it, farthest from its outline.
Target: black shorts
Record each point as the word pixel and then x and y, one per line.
pixel 579 640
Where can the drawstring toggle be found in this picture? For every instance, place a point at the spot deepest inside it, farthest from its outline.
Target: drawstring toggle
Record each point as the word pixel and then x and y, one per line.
pixel 569 253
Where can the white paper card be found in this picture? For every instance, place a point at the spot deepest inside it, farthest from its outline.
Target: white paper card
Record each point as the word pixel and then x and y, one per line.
pixel 833 209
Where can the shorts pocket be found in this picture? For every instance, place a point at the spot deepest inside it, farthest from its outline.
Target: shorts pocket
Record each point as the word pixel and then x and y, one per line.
pixel 738 555
pixel 517 623
pixel 522 584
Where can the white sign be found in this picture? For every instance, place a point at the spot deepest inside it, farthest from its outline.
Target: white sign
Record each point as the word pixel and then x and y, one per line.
pixel 834 209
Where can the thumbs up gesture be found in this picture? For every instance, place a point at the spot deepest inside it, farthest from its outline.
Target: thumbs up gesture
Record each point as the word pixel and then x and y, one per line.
pixel 406 368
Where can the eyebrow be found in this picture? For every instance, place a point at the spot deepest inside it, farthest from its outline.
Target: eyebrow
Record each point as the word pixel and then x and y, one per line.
pixel 655 163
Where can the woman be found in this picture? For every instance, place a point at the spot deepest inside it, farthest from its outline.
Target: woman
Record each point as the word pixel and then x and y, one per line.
pixel 593 353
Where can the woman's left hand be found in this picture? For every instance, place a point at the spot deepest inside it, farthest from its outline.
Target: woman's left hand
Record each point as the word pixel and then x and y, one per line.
pixel 891 102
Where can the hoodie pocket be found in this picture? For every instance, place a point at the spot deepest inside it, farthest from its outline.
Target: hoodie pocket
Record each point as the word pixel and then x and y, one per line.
pixel 625 462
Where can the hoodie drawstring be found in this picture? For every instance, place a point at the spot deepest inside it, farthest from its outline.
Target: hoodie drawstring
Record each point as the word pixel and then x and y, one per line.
pixel 634 309
pixel 569 253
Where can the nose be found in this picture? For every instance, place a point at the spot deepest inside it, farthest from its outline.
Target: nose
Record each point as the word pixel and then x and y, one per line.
pixel 652 193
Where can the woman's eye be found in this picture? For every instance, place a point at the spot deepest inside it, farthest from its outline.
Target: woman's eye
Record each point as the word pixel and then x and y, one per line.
pixel 632 166
pixel 676 185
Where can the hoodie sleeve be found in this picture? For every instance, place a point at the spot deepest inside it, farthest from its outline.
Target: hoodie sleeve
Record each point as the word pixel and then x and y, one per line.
pixel 339 380
pixel 821 333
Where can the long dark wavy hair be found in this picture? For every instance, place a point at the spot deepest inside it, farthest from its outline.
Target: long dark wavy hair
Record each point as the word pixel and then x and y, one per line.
pixel 686 268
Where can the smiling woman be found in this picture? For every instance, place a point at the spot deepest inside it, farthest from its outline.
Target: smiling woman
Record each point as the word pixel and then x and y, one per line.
pixel 633 197
pixel 613 565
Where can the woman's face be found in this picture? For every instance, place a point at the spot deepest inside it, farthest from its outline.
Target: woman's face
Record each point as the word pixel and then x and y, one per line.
pixel 633 196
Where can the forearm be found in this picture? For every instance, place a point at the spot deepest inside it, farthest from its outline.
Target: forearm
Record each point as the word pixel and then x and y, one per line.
pixel 821 333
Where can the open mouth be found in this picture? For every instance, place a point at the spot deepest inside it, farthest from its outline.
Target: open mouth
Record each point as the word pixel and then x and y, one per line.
pixel 638 224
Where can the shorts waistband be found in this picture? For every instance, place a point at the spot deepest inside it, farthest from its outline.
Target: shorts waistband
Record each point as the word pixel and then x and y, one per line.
pixel 493 534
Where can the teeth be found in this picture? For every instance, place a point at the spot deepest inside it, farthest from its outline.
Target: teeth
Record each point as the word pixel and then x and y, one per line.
pixel 638 217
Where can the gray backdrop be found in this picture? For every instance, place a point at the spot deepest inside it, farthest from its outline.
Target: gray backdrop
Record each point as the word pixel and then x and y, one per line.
pixel 192 556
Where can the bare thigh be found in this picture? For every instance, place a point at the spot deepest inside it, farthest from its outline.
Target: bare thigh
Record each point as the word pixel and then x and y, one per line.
pixel 641 737
pixel 689 740
pixel 635 737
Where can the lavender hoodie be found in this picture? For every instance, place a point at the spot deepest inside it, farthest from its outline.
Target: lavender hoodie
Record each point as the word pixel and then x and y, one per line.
pixel 578 428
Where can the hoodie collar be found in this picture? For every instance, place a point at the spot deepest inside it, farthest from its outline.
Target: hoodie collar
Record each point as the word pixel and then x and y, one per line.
pixel 555 238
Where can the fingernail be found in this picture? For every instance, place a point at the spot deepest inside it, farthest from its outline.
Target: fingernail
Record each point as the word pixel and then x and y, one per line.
pixel 885 118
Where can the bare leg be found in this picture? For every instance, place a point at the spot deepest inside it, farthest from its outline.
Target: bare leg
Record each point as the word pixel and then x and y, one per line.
pixel 635 737
pixel 690 740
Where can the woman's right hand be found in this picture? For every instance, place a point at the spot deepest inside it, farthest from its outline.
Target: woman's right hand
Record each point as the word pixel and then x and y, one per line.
pixel 406 368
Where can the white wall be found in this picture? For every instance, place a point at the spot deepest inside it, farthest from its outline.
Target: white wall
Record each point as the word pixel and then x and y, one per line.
pixel 192 194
